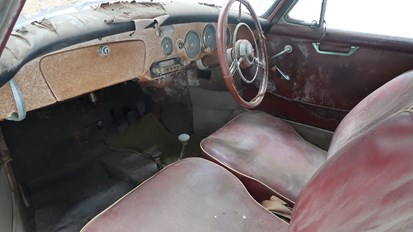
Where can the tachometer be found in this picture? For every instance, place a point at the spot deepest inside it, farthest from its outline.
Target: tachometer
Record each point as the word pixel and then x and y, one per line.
pixel 167 46
pixel 192 44
pixel 209 36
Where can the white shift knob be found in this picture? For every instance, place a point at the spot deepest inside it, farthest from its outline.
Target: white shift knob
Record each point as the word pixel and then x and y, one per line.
pixel 183 138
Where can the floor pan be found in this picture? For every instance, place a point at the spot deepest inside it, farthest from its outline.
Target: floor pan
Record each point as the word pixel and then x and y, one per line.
pixel 71 218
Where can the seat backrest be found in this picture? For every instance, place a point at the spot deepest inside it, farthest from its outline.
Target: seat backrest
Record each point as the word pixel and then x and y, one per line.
pixel 387 100
pixel 366 186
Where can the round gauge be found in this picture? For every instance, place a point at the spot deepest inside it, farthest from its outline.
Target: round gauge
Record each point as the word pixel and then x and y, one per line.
pixel 192 44
pixel 209 36
pixel 167 46
pixel 228 37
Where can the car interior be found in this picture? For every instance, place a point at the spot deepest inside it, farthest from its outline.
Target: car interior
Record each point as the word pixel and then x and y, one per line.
pixel 186 116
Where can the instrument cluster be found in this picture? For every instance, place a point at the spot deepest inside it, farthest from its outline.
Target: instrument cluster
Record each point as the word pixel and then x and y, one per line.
pixel 180 46
pixel 194 43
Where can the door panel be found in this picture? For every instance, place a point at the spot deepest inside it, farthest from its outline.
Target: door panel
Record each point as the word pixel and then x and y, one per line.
pixel 323 88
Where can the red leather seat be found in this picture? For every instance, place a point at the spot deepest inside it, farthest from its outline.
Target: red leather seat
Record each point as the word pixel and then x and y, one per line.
pixel 190 195
pixel 258 146
pixel 365 186
pixel 270 158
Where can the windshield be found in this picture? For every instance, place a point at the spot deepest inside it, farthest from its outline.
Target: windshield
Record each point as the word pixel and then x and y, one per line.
pixel 36 9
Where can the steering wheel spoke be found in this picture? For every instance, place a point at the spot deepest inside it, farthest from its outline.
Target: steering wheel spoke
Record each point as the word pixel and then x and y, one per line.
pixel 239 11
pixel 258 62
pixel 234 66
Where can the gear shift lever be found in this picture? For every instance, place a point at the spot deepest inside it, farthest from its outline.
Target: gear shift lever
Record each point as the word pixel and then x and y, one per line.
pixel 183 138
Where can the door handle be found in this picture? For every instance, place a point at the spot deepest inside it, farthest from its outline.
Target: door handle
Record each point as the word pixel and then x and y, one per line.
pixel 352 50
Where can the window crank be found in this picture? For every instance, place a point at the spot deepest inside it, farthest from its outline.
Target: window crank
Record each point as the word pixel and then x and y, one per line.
pixel 287 49
pixel 283 75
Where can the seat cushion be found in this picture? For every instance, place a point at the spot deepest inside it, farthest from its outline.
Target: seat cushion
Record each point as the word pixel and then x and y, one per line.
pixel 190 195
pixel 366 186
pixel 260 148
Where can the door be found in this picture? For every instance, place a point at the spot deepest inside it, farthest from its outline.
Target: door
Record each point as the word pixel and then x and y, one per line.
pixel 335 64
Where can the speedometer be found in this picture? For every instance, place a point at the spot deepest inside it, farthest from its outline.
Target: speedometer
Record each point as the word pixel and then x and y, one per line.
pixel 192 44
pixel 209 36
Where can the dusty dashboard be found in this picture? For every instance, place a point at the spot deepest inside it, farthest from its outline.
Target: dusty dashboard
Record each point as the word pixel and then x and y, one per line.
pixel 152 56
pixel 65 57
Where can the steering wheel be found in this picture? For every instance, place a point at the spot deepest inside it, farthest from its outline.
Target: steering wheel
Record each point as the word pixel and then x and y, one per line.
pixel 242 54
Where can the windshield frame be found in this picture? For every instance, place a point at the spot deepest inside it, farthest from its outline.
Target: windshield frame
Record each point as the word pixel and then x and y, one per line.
pixel 33 12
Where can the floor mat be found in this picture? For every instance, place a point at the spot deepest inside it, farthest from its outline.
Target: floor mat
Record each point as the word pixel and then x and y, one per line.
pixel 148 135
pixel 71 218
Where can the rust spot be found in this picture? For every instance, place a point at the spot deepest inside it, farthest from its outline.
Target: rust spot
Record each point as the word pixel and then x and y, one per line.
pixel 35 90
pixel 84 70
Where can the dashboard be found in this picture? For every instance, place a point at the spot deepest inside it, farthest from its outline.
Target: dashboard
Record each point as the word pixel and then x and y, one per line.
pixel 66 56
pixel 152 56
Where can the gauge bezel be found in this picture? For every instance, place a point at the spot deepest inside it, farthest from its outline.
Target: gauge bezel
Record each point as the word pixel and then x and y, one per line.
pixel 204 36
pixel 198 51
pixel 166 52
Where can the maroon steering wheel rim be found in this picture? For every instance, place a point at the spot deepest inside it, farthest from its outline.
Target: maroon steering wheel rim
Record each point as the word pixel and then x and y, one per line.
pixel 222 55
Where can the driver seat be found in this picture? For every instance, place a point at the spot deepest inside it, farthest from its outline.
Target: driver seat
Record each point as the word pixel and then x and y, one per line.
pixel 270 158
